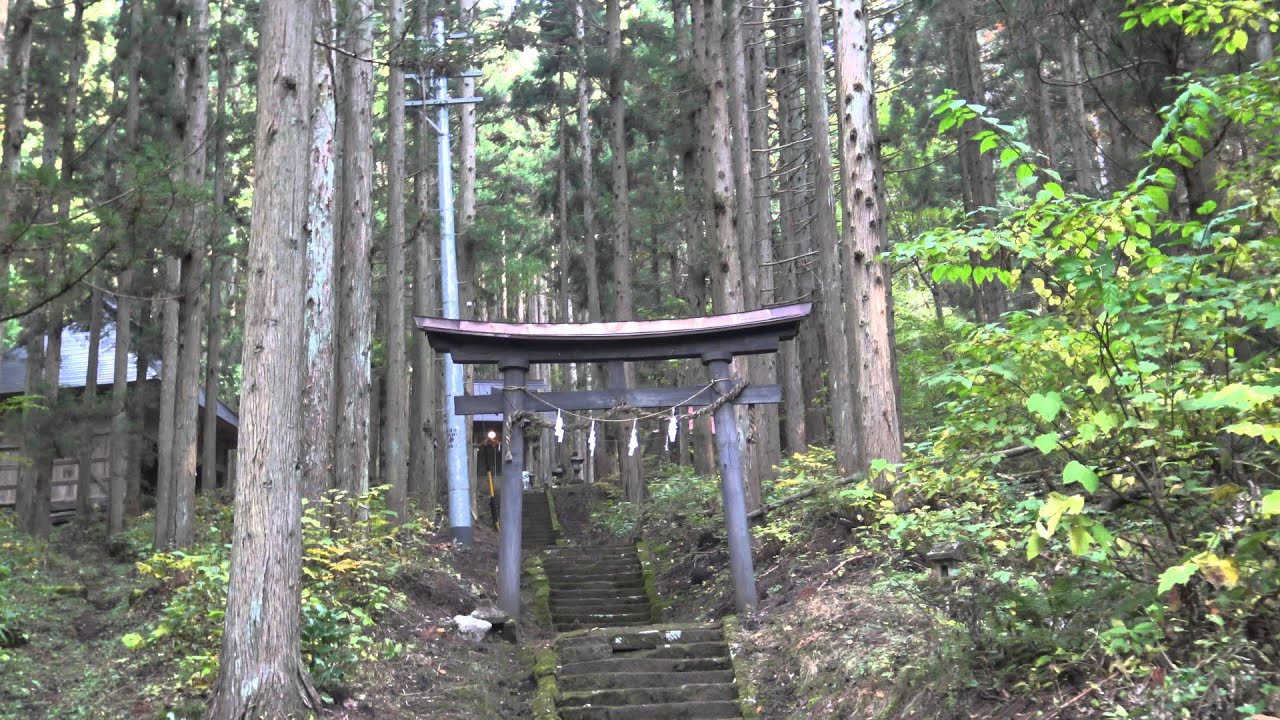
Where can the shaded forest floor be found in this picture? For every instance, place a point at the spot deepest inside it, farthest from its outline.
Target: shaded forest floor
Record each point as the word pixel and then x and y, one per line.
pixel 67 605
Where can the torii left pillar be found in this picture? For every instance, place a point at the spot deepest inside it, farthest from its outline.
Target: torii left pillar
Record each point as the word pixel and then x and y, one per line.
pixel 514 372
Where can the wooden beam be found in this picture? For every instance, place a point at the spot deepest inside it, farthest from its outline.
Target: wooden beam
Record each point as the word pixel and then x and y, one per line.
pixel 605 399
pixel 748 333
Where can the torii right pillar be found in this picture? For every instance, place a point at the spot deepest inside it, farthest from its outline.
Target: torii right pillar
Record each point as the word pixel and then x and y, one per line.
pixel 732 493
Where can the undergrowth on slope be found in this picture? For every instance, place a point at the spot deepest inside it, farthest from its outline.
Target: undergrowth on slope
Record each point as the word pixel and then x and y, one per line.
pixel 346 589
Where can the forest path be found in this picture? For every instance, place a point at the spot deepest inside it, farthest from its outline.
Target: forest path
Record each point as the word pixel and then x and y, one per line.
pixel 613 661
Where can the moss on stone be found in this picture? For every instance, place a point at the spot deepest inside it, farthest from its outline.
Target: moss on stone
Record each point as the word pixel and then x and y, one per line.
pixel 555 519
pixel 545 697
pixel 650 570
pixel 747 695
pixel 541 589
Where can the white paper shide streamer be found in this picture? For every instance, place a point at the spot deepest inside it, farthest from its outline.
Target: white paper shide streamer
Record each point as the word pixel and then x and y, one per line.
pixel 673 427
pixel 635 441
pixel 559 427
pixel 591 440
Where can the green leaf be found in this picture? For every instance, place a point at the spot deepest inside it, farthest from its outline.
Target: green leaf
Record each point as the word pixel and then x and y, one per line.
pixel 1008 156
pixel 1055 190
pixel 1046 443
pixel 1270 504
pixel 1025 174
pixel 1176 575
pixel 1047 406
pixel 1099 383
pixel 1159 196
pixel 1074 472
pixel 1267 433
pixel 133 641
pixel 1234 396
pixel 1080 540
pixel 1240 39
pixel 1035 545
pixel 1105 421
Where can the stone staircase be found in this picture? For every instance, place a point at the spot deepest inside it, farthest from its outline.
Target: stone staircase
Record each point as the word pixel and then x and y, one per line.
pixel 536 530
pixel 666 672
pixel 618 665
pixel 599 586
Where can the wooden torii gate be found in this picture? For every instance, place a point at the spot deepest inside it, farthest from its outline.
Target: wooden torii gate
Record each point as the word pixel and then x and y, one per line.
pixel 715 339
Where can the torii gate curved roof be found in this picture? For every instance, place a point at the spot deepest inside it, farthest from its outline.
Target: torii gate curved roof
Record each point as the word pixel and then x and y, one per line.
pixel 743 333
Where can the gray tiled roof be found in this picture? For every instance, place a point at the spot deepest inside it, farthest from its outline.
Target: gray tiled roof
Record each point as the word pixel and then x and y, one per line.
pixel 75 363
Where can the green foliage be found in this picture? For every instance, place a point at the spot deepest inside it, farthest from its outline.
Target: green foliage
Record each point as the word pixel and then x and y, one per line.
pixel 344 592
pixel 1142 532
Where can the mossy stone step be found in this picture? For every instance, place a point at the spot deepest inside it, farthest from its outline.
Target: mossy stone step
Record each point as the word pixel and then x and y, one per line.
pixel 649 695
pixel 714 710
pixel 630 586
pixel 646 639
pixel 629 664
pixel 601 681
pixel 619 564
pixel 589 574
pixel 605 594
pixel 600 619
pixel 567 614
pixel 568 552
pixel 614 601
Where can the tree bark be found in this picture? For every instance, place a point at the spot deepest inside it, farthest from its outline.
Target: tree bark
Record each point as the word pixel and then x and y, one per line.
pixel 633 484
pixel 261 672
pixel 468 272
pixel 355 306
pixel 217 235
pixel 1080 126
pixel 831 310
pixel 121 438
pixel 976 168
pixel 192 300
pixel 794 228
pixel 588 189
pixel 866 237
pixel 428 418
pixel 33 483
pixel 89 404
pixel 396 437
pixel 16 56
pixel 767 452
pixel 319 403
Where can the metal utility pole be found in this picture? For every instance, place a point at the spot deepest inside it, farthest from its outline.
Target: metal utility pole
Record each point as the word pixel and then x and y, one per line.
pixel 456 459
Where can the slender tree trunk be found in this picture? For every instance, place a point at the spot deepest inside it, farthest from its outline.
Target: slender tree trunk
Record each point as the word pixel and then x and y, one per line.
pixel 319 404
pixel 46 449
pixel 121 438
pixel 261 671
pixel 1080 125
pixel 217 237
pixel 396 437
pixel 831 310
pixel 16 56
pixel 89 402
pixel 976 168
pixel 428 419
pixel 624 294
pixel 764 369
pixel 866 237
pixel 33 483
pixel 355 304
pixel 468 272
pixel 588 171
pixel 192 300
pixel 794 228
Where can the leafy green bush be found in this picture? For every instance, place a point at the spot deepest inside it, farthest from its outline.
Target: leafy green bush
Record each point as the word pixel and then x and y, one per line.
pixel 345 590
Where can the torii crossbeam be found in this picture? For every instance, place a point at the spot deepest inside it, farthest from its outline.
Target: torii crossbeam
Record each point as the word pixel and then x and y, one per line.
pixel 715 339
